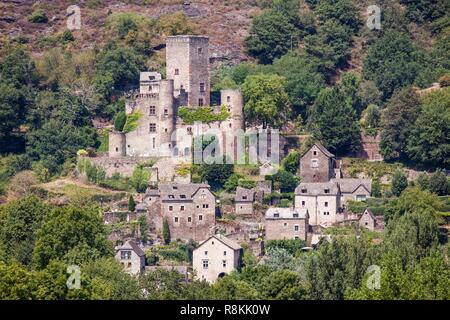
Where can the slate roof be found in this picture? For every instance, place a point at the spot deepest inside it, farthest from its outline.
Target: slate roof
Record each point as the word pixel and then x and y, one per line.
pixel 349 185
pixel 370 214
pixel 286 213
pixel 321 148
pixel 244 195
pixel 131 245
pixel 228 242
pixel 176 192
pixel 317 188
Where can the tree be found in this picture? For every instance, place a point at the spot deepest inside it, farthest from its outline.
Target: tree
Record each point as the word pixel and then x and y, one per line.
pixel 20 221
pixel 342 11
pixel 65 230
pixel 266 101
pixel 271 35
pixel 283 285
pixel 232 288
pixel 303 80
pixel 428 142
pixel 331 45
pixel 376 188
pixel 286 181
pixel 119 120
pixel 216 174
pixel 56 142
pixel 166 232
pixel 143 228
pixel 439 183
pixel 292 162
pixel 140 179
pixel 399 183
pixel 131 203
pixel 392 62
pixel 423 181
pixel 333 121
pixel 397 123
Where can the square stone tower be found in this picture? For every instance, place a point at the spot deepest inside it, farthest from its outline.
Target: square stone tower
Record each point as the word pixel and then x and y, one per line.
pixel 187 59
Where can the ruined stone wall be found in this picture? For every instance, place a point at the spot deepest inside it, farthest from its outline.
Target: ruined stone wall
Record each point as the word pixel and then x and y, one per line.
pixel 370 147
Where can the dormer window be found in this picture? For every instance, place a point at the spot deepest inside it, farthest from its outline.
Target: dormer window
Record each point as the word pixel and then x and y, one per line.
pixel 304 191
pixel 295 215
pixel 182 196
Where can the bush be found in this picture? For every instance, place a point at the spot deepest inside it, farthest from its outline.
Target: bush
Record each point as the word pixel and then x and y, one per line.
pixel 38 16
pixel 119 120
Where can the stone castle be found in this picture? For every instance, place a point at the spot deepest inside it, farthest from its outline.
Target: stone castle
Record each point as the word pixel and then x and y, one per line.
pixel 160 133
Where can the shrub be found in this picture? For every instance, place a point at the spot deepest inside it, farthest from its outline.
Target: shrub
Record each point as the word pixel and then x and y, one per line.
pixel 38 16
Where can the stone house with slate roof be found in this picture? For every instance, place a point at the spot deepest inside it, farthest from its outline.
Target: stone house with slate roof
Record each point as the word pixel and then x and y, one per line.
pixel 354 189
pixel 317 164
pixel 243 201
pixel 215 257
pixel 286 223
pixel 131 256
pixel 368 220
pixel 321 199
pixel 188 208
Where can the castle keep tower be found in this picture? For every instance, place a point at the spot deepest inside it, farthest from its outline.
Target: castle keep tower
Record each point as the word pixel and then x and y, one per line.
pixel 187 59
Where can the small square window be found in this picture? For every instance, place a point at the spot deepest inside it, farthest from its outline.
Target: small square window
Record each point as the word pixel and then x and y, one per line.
pixel 296 228
pixel 170 208
pixel 314 163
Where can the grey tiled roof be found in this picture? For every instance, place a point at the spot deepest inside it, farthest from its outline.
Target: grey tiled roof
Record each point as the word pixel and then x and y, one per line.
pixel 286 213
pixel 349 185
pixel 131 245
pixel 317 188
pixel 177 192
pixel 228 242
pixel 244 195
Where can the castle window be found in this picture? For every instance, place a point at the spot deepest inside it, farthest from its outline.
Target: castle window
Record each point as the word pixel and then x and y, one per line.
pixel 152 127
pixel 152 110
pixel 200 102
pixel 200 217
pixel 314 163
pixel 228 98
pixel 177 72
pixel 176 219
pixel 202 87
pixel 171 208
pixel 189 219
pixel 296 228
pixel 200 50
pixel 165 130
pixel 326 204
pixel 182 208
pixel 166 112
pixel 205 206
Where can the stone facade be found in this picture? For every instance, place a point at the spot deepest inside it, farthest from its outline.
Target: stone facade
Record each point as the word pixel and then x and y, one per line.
pixel 368 220
pixel 159 132
pixel 243 201
pixel 354 189
pixel 317 164
pixel 131 256
pixel 188 208
pixel 322 200
pixel 215 257
pixel 286 223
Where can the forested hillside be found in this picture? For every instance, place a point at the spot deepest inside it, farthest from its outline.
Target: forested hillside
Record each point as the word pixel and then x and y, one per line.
pixel 311 68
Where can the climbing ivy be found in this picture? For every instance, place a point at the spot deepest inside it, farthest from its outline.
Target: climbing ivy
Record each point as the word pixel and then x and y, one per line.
pixel 202 114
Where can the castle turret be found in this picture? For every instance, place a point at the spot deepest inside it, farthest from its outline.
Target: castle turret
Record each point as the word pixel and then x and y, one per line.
pixel 234 101
pixel 167 111
pixel 187 59
pixel 117 142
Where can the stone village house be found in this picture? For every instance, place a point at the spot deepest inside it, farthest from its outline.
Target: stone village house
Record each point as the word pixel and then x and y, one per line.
pixel 215 257
pixel 286 223
pixel 243 201
pixel 189 209
pixel 131 256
